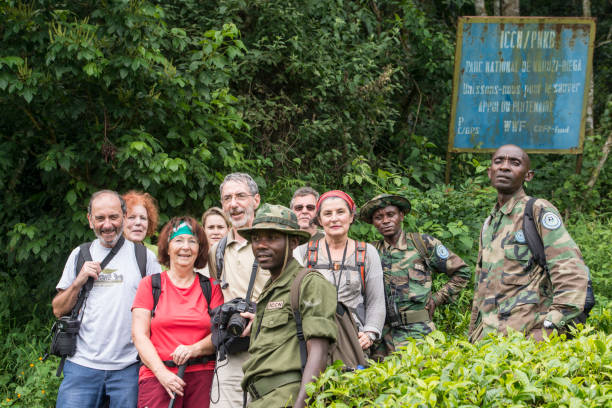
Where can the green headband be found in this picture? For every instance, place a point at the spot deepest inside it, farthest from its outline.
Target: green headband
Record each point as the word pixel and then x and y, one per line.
pixel 182 229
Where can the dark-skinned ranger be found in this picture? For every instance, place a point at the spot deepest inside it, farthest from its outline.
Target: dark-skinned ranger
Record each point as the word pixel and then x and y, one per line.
pixel 272 374
pixel 512 291
pixel 408 272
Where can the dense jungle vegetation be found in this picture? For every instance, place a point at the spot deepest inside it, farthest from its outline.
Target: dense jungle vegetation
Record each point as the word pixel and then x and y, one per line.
pixel 168 97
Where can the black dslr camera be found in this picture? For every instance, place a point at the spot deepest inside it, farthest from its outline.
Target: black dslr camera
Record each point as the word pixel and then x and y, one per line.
pixel 64 339
pixel 228 325
pixel 229 316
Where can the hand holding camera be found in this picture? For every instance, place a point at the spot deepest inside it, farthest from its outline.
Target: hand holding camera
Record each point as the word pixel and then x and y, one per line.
pixel 231 327
pixel 247 330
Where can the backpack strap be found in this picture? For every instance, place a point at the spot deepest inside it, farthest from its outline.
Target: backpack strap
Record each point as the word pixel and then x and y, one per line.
pixel 156 290
pixel 86 254
pixel 360 255
pixel 295 306
pixel 419 244
pixel 206 289
pixel 219 254
pixel 532 236
pixel 141 258
pixel 83 256
pixel 313 253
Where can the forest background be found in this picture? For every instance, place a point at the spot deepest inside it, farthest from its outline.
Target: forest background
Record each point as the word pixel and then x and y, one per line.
pixel 168 97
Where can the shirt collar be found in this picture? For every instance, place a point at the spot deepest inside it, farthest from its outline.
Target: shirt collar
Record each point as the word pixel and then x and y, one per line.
pixel 510 204
pixel 286 277
pixel 232 241
pixel 402 244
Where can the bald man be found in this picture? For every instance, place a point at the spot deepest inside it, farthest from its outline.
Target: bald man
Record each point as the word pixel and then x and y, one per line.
pixel 511 289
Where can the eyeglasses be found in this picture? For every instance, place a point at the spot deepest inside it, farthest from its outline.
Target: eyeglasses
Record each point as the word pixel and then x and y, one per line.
pixel 240 197
pixel 300 207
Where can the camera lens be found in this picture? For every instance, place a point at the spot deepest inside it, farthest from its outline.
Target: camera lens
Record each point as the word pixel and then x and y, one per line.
pixel 236 325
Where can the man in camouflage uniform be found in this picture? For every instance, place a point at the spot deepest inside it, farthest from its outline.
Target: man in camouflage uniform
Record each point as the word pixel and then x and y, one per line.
pixel 408 272
pixel 510 289
pixel 272 373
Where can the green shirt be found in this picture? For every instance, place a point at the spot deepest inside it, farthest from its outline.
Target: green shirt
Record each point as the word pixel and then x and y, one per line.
pixel 274 347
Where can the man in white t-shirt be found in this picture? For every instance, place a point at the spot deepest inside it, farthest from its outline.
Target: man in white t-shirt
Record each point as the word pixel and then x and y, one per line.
pixel 104 366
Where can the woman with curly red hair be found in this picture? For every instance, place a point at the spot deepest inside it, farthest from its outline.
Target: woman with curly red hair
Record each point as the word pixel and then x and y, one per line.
pixel 142 216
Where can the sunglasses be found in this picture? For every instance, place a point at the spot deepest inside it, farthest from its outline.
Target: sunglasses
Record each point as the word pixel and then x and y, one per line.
pixel 300 207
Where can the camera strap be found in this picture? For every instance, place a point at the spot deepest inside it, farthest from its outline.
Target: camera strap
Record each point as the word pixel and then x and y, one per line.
pixel 85 255
pixel 84 293
pixel 252 281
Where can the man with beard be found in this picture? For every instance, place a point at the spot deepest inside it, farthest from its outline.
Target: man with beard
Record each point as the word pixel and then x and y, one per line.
pixel 232 263
pixel 511 288
pixel 409 262
pixel 104 366
pixel 303 204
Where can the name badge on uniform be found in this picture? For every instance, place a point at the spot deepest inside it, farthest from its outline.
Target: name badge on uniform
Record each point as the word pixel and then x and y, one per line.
pixel 519 237
pixel 275 305
pixel 419 267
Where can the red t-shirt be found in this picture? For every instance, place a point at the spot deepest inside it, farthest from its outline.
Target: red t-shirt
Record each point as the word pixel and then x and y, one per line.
pixel 181 317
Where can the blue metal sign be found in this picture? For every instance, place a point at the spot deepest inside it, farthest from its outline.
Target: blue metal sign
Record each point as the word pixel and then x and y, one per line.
pixel 521 80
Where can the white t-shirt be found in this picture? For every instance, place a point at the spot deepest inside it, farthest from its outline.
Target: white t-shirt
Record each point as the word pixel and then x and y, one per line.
pixel 105 339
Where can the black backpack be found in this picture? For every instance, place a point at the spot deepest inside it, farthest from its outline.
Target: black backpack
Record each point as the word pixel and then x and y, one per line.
pixel 139 250
pixel 534 242
pixel 156 289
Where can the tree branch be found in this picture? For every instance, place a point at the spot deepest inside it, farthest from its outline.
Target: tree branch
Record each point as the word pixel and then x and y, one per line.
pixel 602 162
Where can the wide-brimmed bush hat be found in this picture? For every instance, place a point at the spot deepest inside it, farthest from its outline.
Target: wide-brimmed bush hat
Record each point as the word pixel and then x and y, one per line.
pixel 382 201
pixel 278 218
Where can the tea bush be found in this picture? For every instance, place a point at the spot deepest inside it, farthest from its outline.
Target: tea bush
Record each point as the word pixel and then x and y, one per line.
pixel 445 371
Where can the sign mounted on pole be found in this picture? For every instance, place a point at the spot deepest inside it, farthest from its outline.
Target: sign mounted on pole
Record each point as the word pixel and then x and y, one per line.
pixel 521 80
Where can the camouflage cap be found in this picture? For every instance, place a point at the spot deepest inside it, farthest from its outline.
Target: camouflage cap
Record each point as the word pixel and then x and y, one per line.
pixel 382 201
pixel 275 218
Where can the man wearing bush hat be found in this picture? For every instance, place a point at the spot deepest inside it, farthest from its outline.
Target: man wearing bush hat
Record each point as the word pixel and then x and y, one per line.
pixel 409 260
pixel 512 288
pixel 273 373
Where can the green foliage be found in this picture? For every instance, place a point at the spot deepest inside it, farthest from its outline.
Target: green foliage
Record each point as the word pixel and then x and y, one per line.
pixel 168 97
pixel 27 381
pixel 594 236
pixel 499 371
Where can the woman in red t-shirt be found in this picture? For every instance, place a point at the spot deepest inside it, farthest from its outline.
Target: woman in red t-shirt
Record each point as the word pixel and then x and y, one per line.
pixel 179 332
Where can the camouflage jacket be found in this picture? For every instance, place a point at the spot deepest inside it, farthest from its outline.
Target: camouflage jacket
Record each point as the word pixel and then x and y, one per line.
pixel 509 290
pixel 407 278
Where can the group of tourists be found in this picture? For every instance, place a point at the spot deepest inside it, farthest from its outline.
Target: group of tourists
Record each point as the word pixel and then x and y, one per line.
pixel 246 309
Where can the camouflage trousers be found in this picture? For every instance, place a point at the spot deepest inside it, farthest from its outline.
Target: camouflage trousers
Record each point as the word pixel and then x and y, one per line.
pixel 393 338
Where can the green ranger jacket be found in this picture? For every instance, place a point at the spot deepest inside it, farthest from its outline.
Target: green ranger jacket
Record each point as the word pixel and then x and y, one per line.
pixel 509 290
pixel 274 349
pixel 408 282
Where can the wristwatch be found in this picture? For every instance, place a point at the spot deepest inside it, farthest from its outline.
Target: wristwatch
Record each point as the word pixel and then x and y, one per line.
pixel 372 336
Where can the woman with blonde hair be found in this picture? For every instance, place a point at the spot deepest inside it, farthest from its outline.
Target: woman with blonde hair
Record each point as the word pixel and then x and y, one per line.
pixel 216 225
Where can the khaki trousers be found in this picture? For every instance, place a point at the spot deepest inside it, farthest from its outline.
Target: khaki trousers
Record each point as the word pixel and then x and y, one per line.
pixel 225 388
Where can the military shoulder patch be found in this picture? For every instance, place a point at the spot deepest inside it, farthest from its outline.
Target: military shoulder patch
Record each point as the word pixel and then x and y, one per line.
pixel 519 236
pixel 442 252
pixel 551 221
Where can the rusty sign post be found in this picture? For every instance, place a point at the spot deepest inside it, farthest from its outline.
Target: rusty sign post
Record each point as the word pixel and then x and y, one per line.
pixel 520 80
